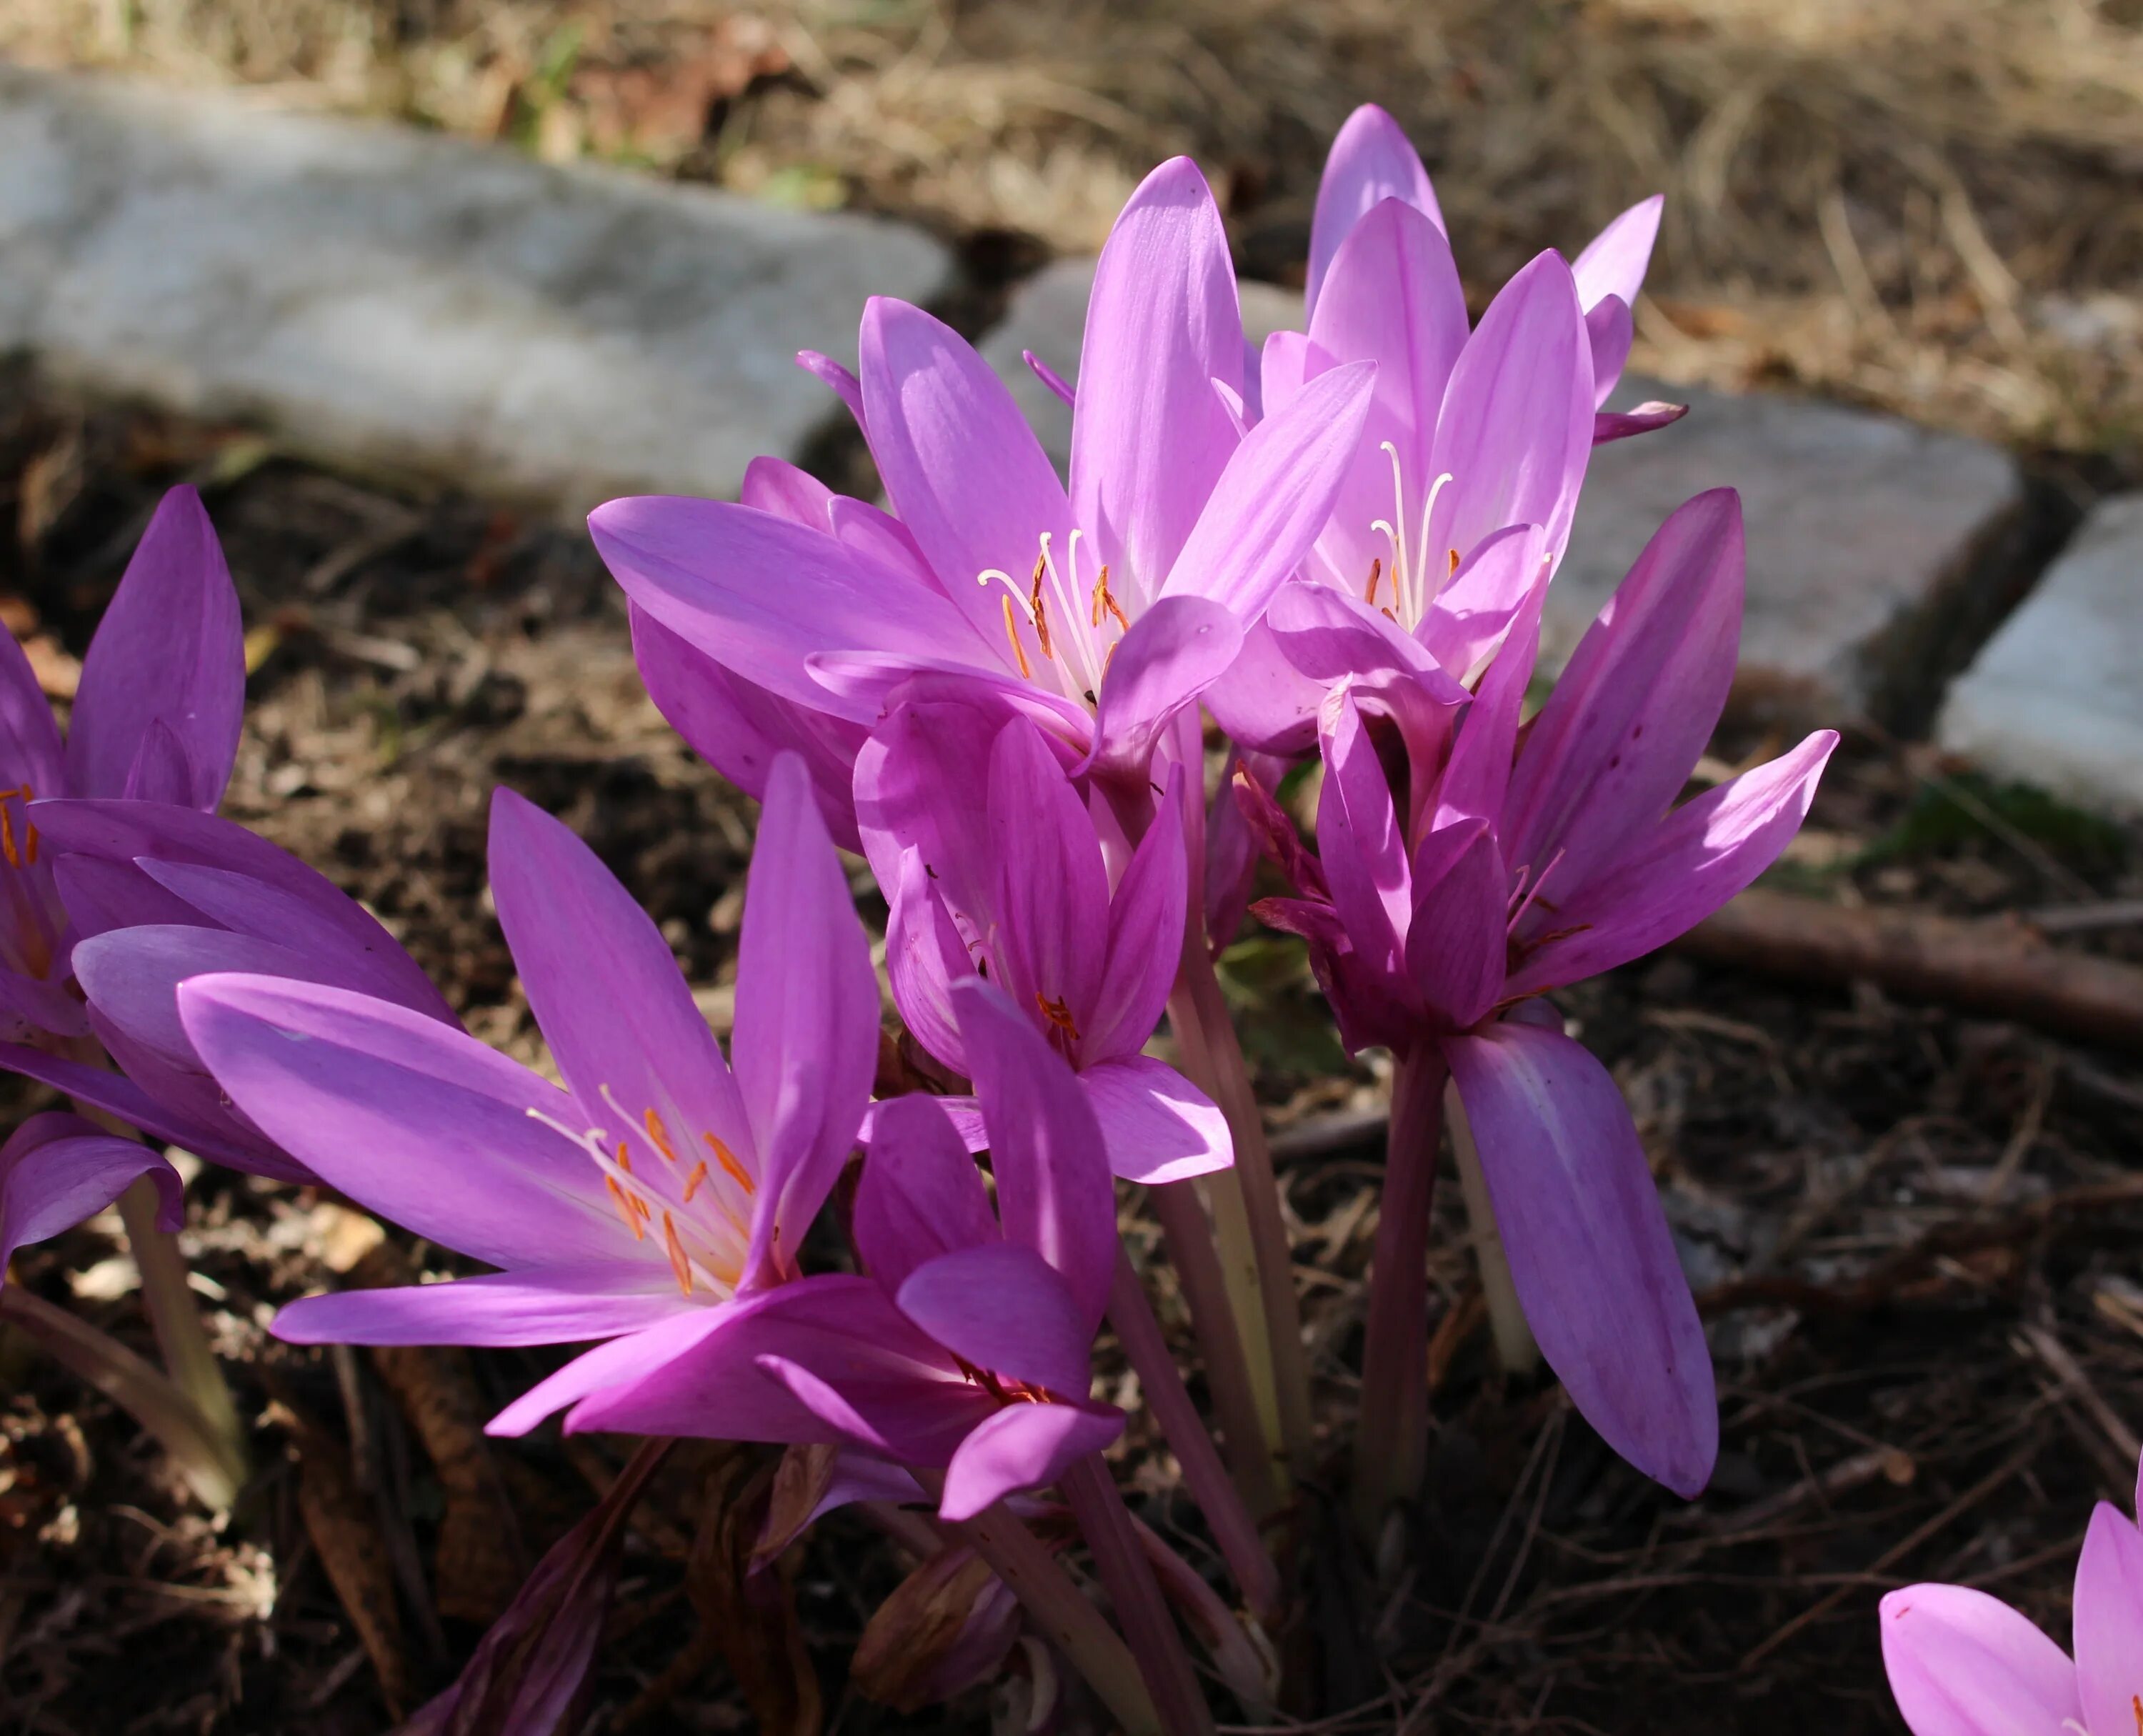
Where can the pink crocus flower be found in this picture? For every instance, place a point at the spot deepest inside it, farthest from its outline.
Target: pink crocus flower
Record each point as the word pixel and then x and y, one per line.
pixel 1441 921
pixel 1100 610
pixel 659 1181
pixel 1964 1664
pixel 992 864
pixel 156 718
pixel 966 1341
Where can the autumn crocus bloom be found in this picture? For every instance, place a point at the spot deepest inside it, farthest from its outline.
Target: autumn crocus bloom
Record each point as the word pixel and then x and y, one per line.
pixel 156 718
pixel 1100 610
pixel 657 1181
pixel 1964 1664
pixel 1436 927
pixel 965 1343
pixel 992 864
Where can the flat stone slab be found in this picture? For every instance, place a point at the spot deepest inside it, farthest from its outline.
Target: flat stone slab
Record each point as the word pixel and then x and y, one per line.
pixel 395 299
pixel 2056 697
pixel 1873 543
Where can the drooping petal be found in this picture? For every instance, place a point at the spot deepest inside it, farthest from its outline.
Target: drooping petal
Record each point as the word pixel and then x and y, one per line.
pixel 1274 497
pixel 1690 864
pixel 1589 1248
pixel 921 1196
pixel 1179 647
pixel 1149 438
pixel 556 1305
pixel 738 727
pixel 1023 1447
pixel 924 955
pixel 2109 1620
pixel 1145 918
pixel 1370 161
pixel 961 467
pixel 1001 1307
pixel 1637 701
pixel 1964 1664
pixel 760 594
pixel 171 648
pixel 1454 945
pixel 806 1042
pixel 634 1049
pixel 415 1121
pixel 1054 1194
pixel 1052 891
pixel 1155 1124
pixel 1615 260
pixel 1516 429
pixel 56 1170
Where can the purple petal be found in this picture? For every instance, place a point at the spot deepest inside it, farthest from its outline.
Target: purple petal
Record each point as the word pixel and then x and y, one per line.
pixel 1360 846
pixel 1964 1664
pixel 1054 1194
pixel 1176 649
pixel 1155 1124
pixel 842 383
pixel 776 486
pixel 1646 418
pixel 1331 637
pixel 1614 262
pixel 32 1003
pixel 170 649
pixel 924 955
pixel 1023 1447
pixel 1516 429
pixel 1590 1251
pixel 759 594
pixel 1370 161
pixel 738 728
pixel 1265 703
pixel 1454 946
pixel 2109 1619
pixel 1472 613
pixel 29 739
pixel 1270 502
pixel 416 1121
pixel 222 1140
pixel 56 1170
pixel 632 1046
pixel 1145 918
pixel 1149 439
pixel 1001 1307
pixel 132 977
pixel 919 787
pixel 556 1305
pixel 1609 329
pixel 921 1196
pixel 806 1041
pixel 1664 885
pixel 1478 772
pixel 1052 891
pixel 1050 378
pixel 1636 702
pixel 160 771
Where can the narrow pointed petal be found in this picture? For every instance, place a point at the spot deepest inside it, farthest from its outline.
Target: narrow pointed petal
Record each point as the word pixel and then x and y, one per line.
pixel 415 1121
pixel 1964 1664
pixel 1637 701
pixel 170 647
pixel 1150 438
pixel 1155 1124
pixel 1059 386
pixel 1589 1247
pixel 1478 772
pixel 1023 1447
pixel 1270 502
pixel 924 955
pixel 1644 419
pixel 29 739
pixel 558 1305
pixel 1609 329
pixel 1454 946
pixel 1615 261
pixel 56 1170
pixel 1360 845
pixel 1370 161
pixel 2109 1620
pixel 1516 429
pixel 1000 1306
pixel 921 1196
pixel 160 771
pixel 1054 1194
pixel 1692 863
pixel 619 1364
pixel 806 1041
pixel 961 467
pixel 1052 890
pixel 608 996
pixel 838 380
pixel 738 727
pixel 760 594
pixel 776 486
pixel 1145 918
pixel 1176 649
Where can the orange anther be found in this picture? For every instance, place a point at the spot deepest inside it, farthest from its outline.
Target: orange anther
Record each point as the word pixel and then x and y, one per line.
pixel 8 839
pixel 1103 601
pixel 731 1168
pixel 1041 609
pixel 625 1203
pixel 1011 632
pixel 624 1157
pixel 1058 1013
pixel 1376 573
pixel 692 1181
pixel 661 1134
pixel 1454 559
pixel 678 1264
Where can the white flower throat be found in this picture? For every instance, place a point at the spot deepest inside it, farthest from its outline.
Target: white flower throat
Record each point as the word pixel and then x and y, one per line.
pixel 1074 627
pixel 1414 584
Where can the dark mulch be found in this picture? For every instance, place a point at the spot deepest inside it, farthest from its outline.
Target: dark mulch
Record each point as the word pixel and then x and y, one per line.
pixel 1914 1234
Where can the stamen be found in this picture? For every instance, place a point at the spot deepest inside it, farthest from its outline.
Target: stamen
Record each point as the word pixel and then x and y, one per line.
pixel 1376 573
pixel 676 1249
pixel 1454 566
pixel 1421 551
pixel 1041 611
pixel 624 1157
pixel 735 1170
pixel 1541 881
pixel 625 1203
pixel 1058 1013
pixel 660 1136
pixel 8 839
pixel 1103 601
pixel 1011 632
pixel 698 1174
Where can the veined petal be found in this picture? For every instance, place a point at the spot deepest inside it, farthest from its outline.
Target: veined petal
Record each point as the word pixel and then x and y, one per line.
pixel 556 1305
pixel 1644 419
pixel 222 1142
pixel 1155 1124
pixel 132 977
pixel 1964 1664
pixel 919 786
pixel 921 1196
pixel 1370 161
pixel 1472 614
pixel 1589 1248
pixel 1052 890
pixel 2109 1620
pixel 1176 649
pixel 1263 702
pixel 1478 771
pixel 806 1041
pixel 171 648
pixel 1146 917
pixel 1609 329
pixel 1148 436
pixel 1613 261
pixel 924 955
pixel 776 486
pixel 1360 845
pixel 1454 944
pixel 1023 1447
pixel 1001 1307
pixel 56 1170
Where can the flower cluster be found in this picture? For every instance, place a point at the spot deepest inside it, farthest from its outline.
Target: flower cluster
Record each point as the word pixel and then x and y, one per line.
pixel 992 686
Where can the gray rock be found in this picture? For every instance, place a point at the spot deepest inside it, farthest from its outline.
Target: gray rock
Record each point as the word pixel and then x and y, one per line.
pixel 394 299
pixel 1875 546
pixel 2056 697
